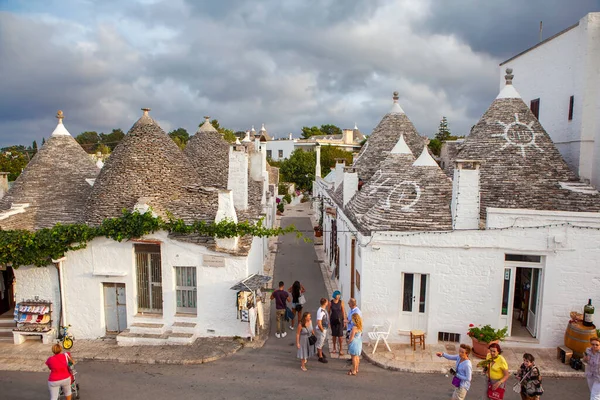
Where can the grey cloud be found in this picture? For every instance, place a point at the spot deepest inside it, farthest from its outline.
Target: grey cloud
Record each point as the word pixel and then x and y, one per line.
pixel 505 28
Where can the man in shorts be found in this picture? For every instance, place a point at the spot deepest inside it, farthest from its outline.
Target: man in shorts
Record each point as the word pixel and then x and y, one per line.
pixel 281 298
pixel 321 331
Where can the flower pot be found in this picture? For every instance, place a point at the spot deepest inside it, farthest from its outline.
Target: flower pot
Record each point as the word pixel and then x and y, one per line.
pixel 480 349
pixel 318 231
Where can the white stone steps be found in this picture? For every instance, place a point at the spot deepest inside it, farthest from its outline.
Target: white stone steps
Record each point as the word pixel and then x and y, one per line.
pixel 184 327
pixel 128 338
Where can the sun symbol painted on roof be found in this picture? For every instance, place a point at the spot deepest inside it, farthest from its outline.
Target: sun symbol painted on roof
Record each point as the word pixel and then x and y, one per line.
pixel 518 134
pixel 408 192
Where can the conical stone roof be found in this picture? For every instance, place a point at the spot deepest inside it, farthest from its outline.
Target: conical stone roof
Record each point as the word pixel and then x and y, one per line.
pixel 404 195
pixel 147 166
pixel 208 153
pixel 53 183
pixel 521 167
pixel 384 138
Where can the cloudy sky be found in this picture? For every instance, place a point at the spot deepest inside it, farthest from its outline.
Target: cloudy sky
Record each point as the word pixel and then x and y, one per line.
pixel 285 63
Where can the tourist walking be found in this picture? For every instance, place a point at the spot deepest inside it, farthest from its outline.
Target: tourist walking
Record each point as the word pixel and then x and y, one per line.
pixel 463 371
pixel 281 298
pixel 303 333
pixel 337 321
pixel 355 343
pixel 496 371
pixel 530 379
pixel 322 327
pixel 298 300
pixel 592 370
pixel 353 310
pixel 60 375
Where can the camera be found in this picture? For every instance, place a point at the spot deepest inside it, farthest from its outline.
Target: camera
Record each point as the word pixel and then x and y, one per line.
pixel 452 371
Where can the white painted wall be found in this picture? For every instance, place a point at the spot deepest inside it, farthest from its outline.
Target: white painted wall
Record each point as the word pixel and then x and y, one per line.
pixel 41 282
pixel 562 67
pixel 273 146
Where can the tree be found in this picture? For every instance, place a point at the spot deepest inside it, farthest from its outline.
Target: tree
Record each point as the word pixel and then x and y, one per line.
pixel 43 141
pixel 89 140
pixel 112 139
pixel 180 136
pixel 442 135
pixel 13 160
pixel 299 168
pixel 329 154
pixel 35 147
pixel 435 145
pixel 228 134
pixel 326 129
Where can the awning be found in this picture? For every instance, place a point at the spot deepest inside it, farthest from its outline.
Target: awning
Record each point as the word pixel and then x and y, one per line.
pixel 252 283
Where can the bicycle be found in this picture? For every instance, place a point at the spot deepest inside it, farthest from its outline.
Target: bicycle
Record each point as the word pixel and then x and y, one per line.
pixel 67 338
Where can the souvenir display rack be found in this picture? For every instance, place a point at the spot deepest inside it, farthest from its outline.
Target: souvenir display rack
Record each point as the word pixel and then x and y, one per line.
pixel 33 316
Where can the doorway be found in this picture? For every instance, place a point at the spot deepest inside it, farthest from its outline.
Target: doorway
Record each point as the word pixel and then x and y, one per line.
pixel 521 296
pixel 149 278
pixel 7 289
pixel 115 307
pixel 415 292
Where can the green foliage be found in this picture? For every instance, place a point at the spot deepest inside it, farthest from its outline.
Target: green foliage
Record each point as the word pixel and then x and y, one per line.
pixel 280 207
pixel 13 160
pixel 299 169
pixel 287 198
pixel 282 188
pixel 329 155
pixel 442 135
pixel 228 134
pixel 39 248
pixel 326 129
pixel 89 140
pixel 180 136
pixel 486 333
pixel 92 142
pixel 112 139
pixel 435 145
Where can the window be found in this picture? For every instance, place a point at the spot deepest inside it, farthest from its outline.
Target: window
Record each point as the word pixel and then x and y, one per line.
pixel 571 101
pixel 407 300
pixel 506 291
pixel 185 287
pixel 280 153
pixel 522 258
pixel 269 154
pixel 535 107
pixel 357 280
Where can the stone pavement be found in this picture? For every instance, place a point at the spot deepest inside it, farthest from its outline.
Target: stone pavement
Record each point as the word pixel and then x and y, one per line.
pixel 403 358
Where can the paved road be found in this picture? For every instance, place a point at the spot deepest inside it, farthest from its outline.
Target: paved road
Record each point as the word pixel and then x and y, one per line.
pixel 268 373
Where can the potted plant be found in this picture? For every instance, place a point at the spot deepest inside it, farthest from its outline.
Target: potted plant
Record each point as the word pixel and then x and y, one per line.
pixel 483 336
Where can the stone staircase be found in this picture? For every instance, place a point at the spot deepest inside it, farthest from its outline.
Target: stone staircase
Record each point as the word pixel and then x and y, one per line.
pixel 151 330
pixel 7 324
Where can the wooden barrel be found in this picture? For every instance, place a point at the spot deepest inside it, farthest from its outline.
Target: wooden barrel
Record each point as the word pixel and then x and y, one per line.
pixel 577 337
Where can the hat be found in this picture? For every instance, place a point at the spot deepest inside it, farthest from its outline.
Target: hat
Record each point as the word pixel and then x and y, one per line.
pixel 336 293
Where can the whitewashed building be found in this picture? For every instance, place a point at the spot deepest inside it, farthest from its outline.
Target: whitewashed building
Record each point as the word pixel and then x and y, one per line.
pixel 161 288
pixel 512 240
pixel 559 79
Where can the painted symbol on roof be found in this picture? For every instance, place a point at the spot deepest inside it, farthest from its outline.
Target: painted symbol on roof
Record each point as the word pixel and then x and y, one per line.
pixel 406 194
pixel 518 134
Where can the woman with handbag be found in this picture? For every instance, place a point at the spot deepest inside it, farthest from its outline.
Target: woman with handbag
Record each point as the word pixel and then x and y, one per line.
pixel 463 372
pixel 497 372
pixel 592 370
pixel 337 320
pixel 305 334
pixel 60 374
pixel 530 381
pixel 355 343
pixel 298 300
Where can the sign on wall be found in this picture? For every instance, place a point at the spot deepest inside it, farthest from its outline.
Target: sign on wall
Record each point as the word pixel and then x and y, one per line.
pixel 213 261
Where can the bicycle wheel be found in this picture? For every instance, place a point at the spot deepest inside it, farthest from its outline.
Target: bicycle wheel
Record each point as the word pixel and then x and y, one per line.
pixel 67 343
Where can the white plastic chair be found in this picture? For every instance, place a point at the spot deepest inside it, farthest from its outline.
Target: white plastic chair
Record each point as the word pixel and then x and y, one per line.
pixel 380 332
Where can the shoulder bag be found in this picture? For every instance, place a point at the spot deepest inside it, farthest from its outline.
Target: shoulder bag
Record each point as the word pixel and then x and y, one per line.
pixel 301 300
pixel 518 385
pixel 312 339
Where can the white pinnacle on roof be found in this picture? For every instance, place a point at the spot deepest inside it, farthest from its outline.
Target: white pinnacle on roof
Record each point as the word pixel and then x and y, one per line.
pixel 355 127
pixel 237 140
pixel 99 164
pixel 263 128
pixel 252 130
pixel 509 91
pixel 207 126
pixel 396 109
pixel 425 159
pixel 246 138
pixel 60 129
pixel 401 147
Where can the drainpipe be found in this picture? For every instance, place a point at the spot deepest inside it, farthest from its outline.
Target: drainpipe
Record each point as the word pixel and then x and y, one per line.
pixel 63 314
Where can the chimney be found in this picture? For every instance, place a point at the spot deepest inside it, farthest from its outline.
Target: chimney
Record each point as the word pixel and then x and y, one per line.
pixel 340 163
pixel 291 137
pixel 256 172
pixel 348 136
pixel 237 180
pixel 3 184
pixel 465 194
pixel 318 165
pixel 226 210
pixel 350 184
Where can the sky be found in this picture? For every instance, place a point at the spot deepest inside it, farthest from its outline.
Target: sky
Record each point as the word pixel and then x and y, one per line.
pixel 284 63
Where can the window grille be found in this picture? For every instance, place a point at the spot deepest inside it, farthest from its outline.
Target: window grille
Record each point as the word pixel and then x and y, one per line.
pixel 186 289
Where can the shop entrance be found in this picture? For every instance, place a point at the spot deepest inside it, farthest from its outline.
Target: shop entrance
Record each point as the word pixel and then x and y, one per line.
pixel 7 289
